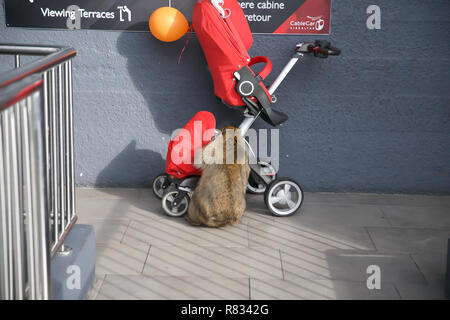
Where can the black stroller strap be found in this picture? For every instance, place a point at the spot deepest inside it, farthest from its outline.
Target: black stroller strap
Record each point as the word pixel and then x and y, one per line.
pixel 247 86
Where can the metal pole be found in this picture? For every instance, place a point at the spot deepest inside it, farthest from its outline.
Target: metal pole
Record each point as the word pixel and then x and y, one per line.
pixel 35 208
pixel 39 197
pixel 67 141
pixel 72 174
pixel 18 194
pixel 18 151
pixel 19 217
pixel 246 124
pixel 61 145
pixel 28 203
pixel 16 61
pixel 8 219
pixel 33 50
pixel 53 165
pixel 16 213
pixel 284 73
pixel 45 96
pixel 4 257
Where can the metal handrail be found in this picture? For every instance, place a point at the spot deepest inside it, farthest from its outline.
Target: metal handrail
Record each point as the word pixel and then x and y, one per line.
pixel 37 190
pixel 24 245
pixel 33 50
pixel 19 90
pixel 53 56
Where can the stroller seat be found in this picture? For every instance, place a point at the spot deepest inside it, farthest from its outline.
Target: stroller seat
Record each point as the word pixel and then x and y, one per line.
pixel 226 38
pixel 196 133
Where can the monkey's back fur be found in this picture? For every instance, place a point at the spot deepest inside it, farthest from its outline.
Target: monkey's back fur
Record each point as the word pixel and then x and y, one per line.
pixel 219 198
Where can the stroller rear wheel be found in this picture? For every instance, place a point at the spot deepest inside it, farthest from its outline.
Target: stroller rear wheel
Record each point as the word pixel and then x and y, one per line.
pixel 160 184
pixel 172 209
pixel 283 197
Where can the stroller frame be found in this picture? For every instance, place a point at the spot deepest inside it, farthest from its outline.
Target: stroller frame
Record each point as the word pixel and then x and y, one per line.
pixel 179 191
pixel 321 49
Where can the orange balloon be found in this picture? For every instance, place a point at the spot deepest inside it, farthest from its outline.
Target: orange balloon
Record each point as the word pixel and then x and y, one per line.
pixel 168 24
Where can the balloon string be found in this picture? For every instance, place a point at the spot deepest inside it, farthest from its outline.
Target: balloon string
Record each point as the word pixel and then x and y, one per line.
pixel 190 30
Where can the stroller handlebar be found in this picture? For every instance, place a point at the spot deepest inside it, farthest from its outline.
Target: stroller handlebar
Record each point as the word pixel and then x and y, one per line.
pixel 320 48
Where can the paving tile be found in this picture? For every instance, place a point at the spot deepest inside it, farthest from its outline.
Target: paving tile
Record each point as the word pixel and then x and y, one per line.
pixel 256 210
pixel 422 217
pixel 326 237
pixel 120 258
pixel 398 268
pixel 304 264
pixel 107 230
pixel 257 218
pixel 414 291
pixel 149 202
pixel 350 266
pixel 140 287
pixel 316 215
pixel 108 193
pixel 322 252
pixel 177 231
pixel 324 197
pixel 212 262
pixel 432 265
pixel 274 289
pixel 410 240
pixel 105 208
pixel 374 198
pixel 98 283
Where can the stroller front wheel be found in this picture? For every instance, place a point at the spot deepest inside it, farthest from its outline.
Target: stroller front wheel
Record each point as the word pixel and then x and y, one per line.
pixel 172 209
pixel 283 197
pixel 160 184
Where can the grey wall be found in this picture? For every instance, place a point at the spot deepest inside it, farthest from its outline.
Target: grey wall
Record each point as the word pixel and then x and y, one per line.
pixel 375 119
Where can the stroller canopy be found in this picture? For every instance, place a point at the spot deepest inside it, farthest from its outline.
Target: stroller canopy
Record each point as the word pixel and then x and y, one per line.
pixel 225 42
pixel 193 136
pixel 225 37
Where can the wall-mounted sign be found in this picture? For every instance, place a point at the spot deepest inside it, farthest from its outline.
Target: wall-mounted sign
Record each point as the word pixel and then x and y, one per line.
pixel 264 16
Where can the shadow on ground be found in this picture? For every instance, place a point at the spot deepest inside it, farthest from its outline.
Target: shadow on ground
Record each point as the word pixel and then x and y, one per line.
pixel 132 167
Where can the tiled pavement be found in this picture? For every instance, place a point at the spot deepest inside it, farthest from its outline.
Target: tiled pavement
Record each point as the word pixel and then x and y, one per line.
pixel 322 252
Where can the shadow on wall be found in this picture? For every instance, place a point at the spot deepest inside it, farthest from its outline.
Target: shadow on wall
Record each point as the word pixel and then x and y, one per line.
pixel 131 167
pixel 173 92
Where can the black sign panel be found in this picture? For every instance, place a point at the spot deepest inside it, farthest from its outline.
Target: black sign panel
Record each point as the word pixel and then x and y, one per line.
pixel 264 16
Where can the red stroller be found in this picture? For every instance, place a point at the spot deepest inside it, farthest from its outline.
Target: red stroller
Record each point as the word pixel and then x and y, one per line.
pixel 225 37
